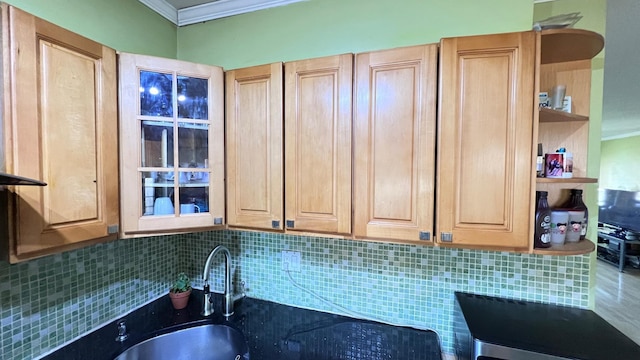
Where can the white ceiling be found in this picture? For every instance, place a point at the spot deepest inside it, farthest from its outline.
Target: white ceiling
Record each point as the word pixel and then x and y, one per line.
pixel 621 102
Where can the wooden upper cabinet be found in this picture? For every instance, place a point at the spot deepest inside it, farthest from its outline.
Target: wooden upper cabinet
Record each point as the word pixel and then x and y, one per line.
pixel 171 145
pixel 60 126
pixel 394 143
pixel 485 166
pixel 318 100
pixel 255 147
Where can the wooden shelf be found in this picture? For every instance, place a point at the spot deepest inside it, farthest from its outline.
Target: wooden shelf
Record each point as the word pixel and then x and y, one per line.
pixel 575 248
pixel 549 115
pixel 562 45
pixel 572 180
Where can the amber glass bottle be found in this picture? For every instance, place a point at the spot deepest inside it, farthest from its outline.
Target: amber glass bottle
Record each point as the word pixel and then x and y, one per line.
pixel 575 203
pixel 542 233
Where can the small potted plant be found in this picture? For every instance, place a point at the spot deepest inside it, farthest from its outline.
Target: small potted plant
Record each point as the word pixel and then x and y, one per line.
pixel 180 291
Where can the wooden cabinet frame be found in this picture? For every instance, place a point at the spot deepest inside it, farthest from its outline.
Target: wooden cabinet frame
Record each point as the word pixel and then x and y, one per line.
pixel 59 126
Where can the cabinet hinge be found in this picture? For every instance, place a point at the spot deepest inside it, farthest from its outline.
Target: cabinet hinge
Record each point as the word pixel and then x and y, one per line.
pixel 446 237
pixel 425 235
pixel 291 223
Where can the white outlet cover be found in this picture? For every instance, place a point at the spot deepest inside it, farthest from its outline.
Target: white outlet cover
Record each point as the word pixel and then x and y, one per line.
pixel 291 260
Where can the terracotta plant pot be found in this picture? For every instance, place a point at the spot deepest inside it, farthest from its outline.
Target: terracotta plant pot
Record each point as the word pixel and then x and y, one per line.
pixel 179 300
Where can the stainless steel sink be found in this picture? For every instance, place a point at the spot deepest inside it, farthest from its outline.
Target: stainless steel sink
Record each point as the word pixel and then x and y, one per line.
pixel 205 342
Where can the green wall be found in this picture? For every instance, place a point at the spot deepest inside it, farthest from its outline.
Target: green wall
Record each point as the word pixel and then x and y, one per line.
pixel 619 165
pixel 124 25
pixel 327 27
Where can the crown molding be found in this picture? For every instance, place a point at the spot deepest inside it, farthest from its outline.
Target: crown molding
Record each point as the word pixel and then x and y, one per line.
pixel 212 10
pixel 224 8
pixel 163 8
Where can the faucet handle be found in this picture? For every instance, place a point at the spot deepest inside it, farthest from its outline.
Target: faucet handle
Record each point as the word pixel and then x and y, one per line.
pixel 122 331
pixel 242 287
pixel 207 303
pixel 241 294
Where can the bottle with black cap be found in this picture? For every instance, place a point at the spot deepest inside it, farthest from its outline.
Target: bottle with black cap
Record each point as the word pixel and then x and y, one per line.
pixel 575 203
pixel 542 233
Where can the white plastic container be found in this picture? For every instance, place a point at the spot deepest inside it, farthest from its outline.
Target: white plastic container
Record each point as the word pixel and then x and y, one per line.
pixel 574 227
pixel 559 225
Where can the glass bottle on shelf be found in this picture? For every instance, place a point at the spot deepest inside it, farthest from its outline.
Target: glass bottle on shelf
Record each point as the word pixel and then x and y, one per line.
pixel 542 233
pixel 575 202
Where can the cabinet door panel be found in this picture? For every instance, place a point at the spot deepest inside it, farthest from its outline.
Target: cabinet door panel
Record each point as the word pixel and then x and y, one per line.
pixel 485 146
pixel 172 145
pixel 318 96
pixel 68 120
pixel 394 143
pixel 62 120
pixel 254 146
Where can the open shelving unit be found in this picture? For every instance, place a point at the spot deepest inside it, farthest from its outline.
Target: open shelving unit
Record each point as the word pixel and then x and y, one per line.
pixel 565 58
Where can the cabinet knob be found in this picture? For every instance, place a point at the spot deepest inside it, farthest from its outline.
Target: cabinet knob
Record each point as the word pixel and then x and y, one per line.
pixel 291 223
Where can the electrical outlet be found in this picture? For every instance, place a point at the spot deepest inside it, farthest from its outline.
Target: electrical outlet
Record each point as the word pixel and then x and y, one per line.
pixel 291 260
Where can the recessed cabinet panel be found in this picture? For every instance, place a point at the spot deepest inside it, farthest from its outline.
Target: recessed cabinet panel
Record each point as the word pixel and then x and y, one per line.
pixel 255 146
pixel 60 125
pixel 315 133
pixel 318 144
pixel 485 140
pixel 484 161
pixel 394 143
pixel 172 145
pixel 69 124
pixel 394 131
pixel 254 190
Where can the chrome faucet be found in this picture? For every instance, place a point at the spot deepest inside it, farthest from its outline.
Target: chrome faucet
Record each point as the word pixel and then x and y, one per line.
pixel 229 299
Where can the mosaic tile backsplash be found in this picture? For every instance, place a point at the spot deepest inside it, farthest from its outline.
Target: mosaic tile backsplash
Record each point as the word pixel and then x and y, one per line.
pixel 48 302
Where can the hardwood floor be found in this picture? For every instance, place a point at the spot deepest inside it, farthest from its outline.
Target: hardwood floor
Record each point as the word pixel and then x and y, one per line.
pixel 618 298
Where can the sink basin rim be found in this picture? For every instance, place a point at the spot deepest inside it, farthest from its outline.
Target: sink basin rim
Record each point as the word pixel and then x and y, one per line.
pixel 209 341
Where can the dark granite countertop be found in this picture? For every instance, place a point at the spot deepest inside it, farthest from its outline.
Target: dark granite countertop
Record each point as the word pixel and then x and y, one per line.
pixel 273 331
pixel 562 331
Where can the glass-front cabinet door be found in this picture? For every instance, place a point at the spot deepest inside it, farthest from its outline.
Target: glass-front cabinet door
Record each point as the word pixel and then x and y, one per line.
pixel 172 145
